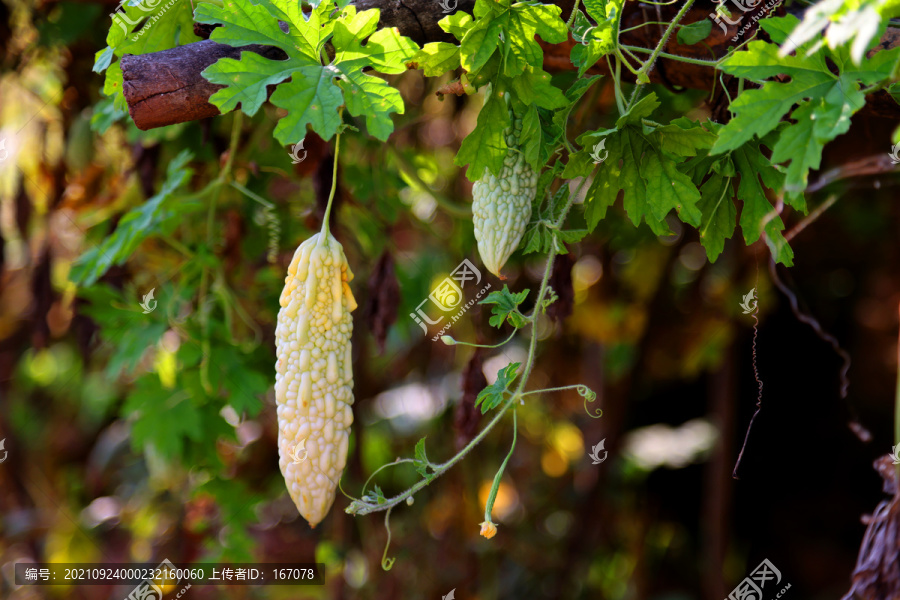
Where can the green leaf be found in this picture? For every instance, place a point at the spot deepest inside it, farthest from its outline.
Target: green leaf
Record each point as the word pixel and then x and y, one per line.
pixel 479 43
pixel 376 496
pixel 572 236
pixel 156 216
pixel 457 24
pixel 485 147
pixel 573 95
pixel 533 87
pixel 530 137
pixel 506 307
pixel 719 196
pixel 244 23
pixel 685 137
pixel 315 92
pixel 525 21
pixel 105 114
pixel 597 40
pixel 253 71
pixel 421 462
pixel 644 107
pixel 638 165
pixel 493 395
pixel 112 87
pixel 231 374
pixel 826 100
pixel 312 99
pixel 372 97
pixel 128 333
pixel 719 214
pixel 161 419
pixel 802 144
pixel 103 59
pixel 694 32
pixel 758 213
pixel 894 91
pixel 437 58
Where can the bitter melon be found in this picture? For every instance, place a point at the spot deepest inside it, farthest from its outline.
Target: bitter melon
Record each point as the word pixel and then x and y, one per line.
pixel 314 375
pixel 501 205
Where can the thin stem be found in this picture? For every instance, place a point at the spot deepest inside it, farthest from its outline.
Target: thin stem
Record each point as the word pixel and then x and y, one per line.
pixel 495 487
pixel 553 389
pixel 387 563
pixel 644 24
pixel 337 148
pixel 572 16
pixel 532 345
pixel 252 195
pixel 684 59
pixel 620 101
pixel 642 74
pixel 232 145
pixel 632 55
pixel 399 461
pixel 504 342
pixel 212 185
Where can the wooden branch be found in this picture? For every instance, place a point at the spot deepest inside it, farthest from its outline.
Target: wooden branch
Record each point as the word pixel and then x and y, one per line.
pixel 164 88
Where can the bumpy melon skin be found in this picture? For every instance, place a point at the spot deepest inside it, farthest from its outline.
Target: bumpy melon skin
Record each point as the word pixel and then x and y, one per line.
pixel 501 206
pixel 314 375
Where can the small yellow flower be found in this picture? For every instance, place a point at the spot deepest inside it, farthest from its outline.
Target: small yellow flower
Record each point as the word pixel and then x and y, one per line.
pixel 488 529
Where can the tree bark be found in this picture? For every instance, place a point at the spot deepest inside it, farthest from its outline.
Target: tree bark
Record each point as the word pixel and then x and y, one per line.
pixel 164 88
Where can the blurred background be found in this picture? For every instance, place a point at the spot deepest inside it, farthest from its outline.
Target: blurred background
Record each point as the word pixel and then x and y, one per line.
pixel 136 368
